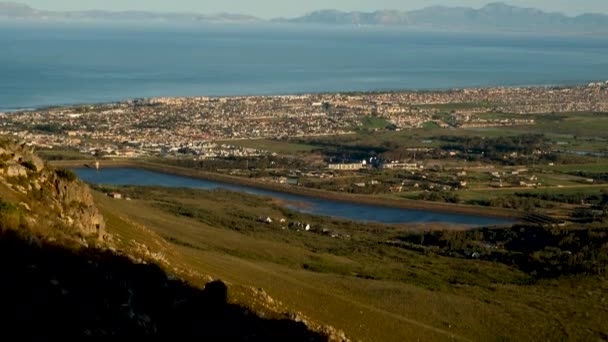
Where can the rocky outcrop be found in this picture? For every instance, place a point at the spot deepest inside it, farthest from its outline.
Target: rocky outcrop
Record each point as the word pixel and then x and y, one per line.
pixel 75 201
pixel 15 154
pixel 13 171
pixel 58 196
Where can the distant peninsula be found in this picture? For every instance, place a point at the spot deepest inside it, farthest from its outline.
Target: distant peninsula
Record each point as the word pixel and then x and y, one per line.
pixel 496 16
pixel 13 10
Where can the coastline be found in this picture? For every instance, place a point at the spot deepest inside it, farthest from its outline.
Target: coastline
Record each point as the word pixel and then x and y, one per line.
pixel 565 85
pixel 289 189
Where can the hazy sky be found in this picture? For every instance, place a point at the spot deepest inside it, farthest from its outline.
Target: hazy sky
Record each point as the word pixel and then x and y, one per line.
pixel 273 8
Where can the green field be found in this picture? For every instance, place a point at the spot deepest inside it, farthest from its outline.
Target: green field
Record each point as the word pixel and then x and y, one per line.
pixel 598 167
pixel 555 126
pixel 489 194
pixel 575 124
pixel 374 122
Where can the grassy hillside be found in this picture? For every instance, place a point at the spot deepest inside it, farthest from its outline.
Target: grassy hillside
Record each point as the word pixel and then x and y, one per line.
pixel 355 280
pixel 64 275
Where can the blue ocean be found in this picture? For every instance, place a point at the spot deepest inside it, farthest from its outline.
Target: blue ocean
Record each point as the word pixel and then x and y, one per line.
pixel 43 64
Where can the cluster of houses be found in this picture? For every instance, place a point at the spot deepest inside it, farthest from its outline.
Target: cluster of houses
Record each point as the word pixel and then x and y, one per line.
pixel 118 196
pixel 348 166
pixel 514 178
pixel 386 165
pixel 302 227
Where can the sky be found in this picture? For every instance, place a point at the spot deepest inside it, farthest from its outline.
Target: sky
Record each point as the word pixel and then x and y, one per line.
pixel 290 8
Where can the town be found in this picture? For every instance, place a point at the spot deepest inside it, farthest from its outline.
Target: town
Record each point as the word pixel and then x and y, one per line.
pixel 204 127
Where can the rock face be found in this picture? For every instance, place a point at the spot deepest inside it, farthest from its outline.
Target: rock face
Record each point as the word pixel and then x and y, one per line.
pixel 19 155
pixel 76 204
pixel 16 171
pixel 57 197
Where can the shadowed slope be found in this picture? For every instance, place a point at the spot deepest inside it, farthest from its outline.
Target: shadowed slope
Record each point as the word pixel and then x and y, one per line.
pixel 49 291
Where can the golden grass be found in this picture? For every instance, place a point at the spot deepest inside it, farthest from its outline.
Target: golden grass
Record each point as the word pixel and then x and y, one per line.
pixel 418 305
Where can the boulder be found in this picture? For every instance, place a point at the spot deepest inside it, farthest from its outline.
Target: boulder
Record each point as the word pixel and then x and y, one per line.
pixel 75 198
pixel 36 161
pixel 16 170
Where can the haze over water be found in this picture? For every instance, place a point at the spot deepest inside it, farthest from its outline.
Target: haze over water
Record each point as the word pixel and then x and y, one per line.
pixel 50 63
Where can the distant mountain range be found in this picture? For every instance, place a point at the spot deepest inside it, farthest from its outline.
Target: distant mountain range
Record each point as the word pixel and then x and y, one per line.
pixel 494 16
pixel 17 10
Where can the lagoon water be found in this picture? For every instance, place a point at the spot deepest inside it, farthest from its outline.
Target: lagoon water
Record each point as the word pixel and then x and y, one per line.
pixel 351 211
pixel 49 63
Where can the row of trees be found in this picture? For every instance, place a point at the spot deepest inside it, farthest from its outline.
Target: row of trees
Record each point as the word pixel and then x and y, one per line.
pixel 541 251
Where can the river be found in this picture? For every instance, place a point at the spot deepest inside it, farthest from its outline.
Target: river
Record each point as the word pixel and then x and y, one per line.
pixel 316 206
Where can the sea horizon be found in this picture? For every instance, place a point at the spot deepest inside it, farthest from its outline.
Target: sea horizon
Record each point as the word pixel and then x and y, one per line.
pixel 51 64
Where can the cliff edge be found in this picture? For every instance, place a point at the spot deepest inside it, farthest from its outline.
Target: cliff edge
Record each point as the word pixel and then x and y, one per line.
pixel 49 201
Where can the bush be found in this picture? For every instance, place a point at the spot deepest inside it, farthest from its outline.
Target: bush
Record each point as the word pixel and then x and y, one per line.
pixel 10 216
pixel 518 203
pixel 66 174
pixel 442 196
pixel 29 165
